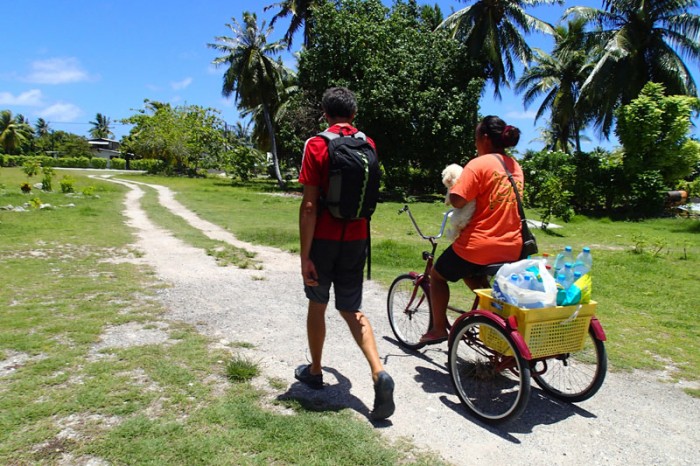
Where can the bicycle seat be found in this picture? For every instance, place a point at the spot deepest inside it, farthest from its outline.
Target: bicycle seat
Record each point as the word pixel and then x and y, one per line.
pixel 491 269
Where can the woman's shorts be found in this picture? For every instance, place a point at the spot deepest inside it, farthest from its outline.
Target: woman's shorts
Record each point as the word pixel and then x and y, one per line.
pixel 453 268
pixel 341 264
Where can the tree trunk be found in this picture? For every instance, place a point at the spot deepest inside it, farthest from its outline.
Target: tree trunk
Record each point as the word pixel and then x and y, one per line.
pixel 273 146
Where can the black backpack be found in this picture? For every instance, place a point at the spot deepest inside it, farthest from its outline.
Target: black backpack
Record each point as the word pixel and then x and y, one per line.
pixel 353 180
pixel 353 176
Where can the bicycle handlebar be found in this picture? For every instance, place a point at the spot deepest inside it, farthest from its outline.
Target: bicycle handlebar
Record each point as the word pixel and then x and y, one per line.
pixel 429 238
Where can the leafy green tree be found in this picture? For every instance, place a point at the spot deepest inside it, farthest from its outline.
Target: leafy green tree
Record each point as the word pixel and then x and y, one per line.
pixel 183 138
pixel 15 133
pixel 302 12
pixel 491 33
pixel 252 75
pixel 67 144
pixel 416 91
pixel 243 162
pixel 101 127
pixel 640 41
pixel 559 78
pixel 654 131
pixel 549 177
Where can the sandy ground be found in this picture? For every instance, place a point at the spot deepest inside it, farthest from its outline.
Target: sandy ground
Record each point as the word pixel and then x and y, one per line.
pixel 634 419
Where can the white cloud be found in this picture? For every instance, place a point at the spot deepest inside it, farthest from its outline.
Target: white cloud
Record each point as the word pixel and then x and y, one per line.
pixel 31 98
pixel 181 84
pixel 57 71
pixel 516 115
pixel 61 112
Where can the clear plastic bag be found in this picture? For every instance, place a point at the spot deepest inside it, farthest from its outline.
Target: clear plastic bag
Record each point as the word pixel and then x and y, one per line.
pixel 506 290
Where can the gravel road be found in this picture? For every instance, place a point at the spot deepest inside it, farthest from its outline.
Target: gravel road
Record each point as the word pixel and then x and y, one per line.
pixel 634 419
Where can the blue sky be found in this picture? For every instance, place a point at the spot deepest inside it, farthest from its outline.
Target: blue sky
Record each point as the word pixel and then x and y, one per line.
pixel 66 60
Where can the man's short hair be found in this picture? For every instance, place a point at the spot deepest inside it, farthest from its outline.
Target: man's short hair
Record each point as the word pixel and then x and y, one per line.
pixel 339 102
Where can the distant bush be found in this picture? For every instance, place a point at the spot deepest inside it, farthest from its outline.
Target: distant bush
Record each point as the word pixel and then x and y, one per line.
pixel 152 166
pixel 97 162
pixel 117 164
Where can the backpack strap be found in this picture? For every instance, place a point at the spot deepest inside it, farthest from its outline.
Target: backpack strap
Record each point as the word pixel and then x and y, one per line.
pixel 329 136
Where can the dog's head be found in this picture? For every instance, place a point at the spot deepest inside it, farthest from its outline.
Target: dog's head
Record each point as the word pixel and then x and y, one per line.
pixel 450 175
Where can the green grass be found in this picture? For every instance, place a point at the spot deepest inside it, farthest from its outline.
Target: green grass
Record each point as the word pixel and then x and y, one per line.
pixel 67 279
pixel 646 275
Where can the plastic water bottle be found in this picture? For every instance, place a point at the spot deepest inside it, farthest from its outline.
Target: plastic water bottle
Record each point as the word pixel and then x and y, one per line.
pixel 562 258
pixel 584 261
pixel 561 290
pixel 509 298
pixel 527 282
pixel 568 273
pixel 547 261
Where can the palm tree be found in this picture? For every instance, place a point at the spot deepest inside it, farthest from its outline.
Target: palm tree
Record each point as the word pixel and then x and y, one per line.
pixel 242 132
pixel 252 76
pixel 559 77
pixel 101 127
pixel 490 31
pixel 14 132
pixel 302 13
pixel 640 41
pixel 41 128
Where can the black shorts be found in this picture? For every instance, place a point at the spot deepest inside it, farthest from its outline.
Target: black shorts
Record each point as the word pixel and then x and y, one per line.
pixel 453 268
pixel 340 263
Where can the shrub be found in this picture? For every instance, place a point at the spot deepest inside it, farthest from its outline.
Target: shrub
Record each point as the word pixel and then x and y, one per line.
pixel 97 162
pixel 152 166
pixel 26 187
pixel 48 176
pixel 67 184
pixel 31 167
pixel 117 163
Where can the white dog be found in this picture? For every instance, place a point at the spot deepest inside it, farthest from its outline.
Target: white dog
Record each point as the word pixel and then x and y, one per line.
pixel 460 217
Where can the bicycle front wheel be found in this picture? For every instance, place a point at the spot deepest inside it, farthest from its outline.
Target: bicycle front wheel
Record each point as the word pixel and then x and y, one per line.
pixel 488 373
pixel 409 308
pixel 575 376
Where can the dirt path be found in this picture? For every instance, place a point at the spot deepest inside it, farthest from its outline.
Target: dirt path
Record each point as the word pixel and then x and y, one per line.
pixel 634 419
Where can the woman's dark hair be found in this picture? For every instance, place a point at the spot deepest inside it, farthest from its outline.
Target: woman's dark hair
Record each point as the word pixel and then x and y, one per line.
pixel 339 102
pixel 501 135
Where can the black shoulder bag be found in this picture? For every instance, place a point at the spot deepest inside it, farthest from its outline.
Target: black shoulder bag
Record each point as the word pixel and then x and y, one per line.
pixel 529 242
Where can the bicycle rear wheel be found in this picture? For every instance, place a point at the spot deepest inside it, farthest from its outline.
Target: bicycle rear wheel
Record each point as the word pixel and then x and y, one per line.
pixel 488 373
pixel 575 376
pixel 409 308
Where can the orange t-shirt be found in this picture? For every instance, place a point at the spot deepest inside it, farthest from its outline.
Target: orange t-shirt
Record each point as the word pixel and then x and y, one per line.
pixel 494 232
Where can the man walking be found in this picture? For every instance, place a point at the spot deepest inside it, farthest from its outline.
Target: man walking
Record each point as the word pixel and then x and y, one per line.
pixel 333 252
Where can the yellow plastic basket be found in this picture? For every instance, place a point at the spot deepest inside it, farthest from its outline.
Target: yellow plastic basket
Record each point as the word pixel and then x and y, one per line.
pixel 547 331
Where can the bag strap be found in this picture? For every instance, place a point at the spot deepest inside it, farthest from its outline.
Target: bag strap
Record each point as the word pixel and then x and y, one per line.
pixel 369 252
pixel 329 136
pixel 515 188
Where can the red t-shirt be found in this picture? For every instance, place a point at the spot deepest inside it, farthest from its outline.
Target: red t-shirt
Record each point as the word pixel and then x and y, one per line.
pixel 314 172
pixel 494 232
